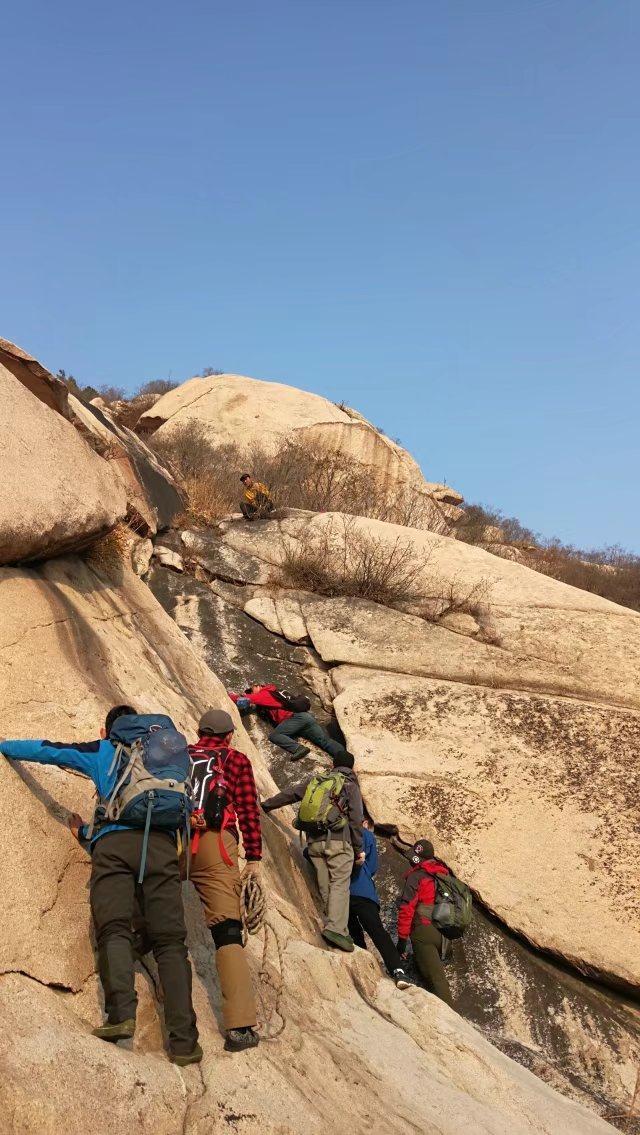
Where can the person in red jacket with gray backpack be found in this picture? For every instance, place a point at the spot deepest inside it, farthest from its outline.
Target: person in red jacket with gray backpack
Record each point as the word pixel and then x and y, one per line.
pixel 435 907
pixel 291 715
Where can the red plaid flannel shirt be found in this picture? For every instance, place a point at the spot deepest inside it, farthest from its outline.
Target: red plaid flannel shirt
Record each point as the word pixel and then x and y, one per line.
pixel 242 791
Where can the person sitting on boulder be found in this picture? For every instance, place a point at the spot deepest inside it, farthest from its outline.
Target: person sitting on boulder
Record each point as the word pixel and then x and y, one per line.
pixel 364 910
pixel 330 814
pixel 292 718
pixel 414 918
pixel 257 502
pixel 116 865
pixel 225 799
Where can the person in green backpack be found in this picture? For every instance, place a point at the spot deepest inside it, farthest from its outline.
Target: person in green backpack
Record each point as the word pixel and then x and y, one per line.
pixel 330 815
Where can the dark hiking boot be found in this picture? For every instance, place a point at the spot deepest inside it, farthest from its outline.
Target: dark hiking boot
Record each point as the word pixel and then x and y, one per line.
pixel 300 752
pixel 124 1030
pixel 342 941
pixel 239 1039
pixel 184 1058
pixel 400 978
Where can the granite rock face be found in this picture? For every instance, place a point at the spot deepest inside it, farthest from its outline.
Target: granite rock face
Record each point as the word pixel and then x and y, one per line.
pixel 401 1063
pixel 57 494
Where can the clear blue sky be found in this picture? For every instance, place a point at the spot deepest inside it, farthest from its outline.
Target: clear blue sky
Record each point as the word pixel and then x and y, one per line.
pixel 427 209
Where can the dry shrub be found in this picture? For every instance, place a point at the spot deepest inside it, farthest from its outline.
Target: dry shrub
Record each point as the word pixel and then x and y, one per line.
pixel 457 595
pixel 343 560
pixel 611 572
pixel 208 474
pixel 109 553
pixel 299 476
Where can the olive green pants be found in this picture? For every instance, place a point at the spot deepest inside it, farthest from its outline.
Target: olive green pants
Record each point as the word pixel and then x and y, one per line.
pixel 427 944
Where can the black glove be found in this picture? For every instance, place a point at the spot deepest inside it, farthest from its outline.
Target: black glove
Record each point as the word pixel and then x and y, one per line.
pixel 401 946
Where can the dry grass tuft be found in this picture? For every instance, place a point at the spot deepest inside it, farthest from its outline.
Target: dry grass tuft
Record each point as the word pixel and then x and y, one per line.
pixel 109 553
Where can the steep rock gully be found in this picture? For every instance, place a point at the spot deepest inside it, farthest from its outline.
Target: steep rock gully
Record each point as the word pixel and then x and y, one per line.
pixel 580 1037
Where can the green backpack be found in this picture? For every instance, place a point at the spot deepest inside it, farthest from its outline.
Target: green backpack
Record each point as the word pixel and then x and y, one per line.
pixel 320 808
pixel 453 906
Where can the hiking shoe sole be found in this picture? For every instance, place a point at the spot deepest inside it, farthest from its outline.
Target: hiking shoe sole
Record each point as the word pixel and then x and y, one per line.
pixel 302 752
pixel 184 1058
pixel 402 983
pixel 238 1042
pixel 340 941
pixel 122 1031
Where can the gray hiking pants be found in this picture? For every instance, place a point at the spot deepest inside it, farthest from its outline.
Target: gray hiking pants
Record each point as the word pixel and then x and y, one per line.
pixel 303 725
pixel 333 863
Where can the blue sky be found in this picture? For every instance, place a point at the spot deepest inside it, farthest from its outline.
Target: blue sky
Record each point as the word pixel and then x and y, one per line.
pixel 428 210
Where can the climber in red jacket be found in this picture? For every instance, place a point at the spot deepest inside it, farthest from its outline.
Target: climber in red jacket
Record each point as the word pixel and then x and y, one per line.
pixel 288 724
pixel 414 918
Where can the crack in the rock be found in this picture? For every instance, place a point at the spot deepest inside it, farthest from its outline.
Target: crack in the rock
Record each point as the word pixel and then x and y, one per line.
pixel 60 985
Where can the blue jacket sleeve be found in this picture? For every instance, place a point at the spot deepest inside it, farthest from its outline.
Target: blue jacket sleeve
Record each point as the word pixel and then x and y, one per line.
pixel 371 854
pixel 80 757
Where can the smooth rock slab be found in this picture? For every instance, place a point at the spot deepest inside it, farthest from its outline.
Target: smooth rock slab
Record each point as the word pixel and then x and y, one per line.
pixel 533 799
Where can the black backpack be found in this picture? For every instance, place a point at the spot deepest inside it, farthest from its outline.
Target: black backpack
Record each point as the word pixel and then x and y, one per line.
pixel 295 703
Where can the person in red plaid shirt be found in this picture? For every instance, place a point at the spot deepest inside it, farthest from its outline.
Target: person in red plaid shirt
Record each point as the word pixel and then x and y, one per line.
pixel 225 800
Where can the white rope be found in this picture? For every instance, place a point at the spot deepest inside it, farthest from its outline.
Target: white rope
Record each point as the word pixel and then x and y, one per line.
pixel 255 917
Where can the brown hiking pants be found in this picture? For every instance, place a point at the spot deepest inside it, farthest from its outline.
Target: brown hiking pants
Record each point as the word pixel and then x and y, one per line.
pixel 218 886
pixel 333 862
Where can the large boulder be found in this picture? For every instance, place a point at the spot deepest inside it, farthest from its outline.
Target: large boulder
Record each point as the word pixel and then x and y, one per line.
pixel 72 643
pixel 52 391
pixel 249 413
pixel 57 494
pixel 153 496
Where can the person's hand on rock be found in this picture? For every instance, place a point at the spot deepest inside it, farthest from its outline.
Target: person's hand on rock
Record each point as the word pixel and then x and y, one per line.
pixel 75 822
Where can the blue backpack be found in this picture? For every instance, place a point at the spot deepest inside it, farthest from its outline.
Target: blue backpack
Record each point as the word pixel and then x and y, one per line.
pixel 153 778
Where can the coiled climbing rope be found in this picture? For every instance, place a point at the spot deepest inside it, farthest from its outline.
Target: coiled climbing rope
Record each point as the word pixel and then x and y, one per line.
pixel 256 917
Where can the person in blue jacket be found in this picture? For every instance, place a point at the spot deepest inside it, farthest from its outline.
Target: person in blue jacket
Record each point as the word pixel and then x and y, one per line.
pixel 364 910
pixel 115 860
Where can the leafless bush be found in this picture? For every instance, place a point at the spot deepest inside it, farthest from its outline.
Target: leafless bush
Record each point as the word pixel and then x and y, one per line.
pixel 611 572
pixel 298 476
pixel 312 478
pixel 477 518
pixel 342 560
pixel 458 595
pixel 208 474
pixel 112 393
pixel 157 386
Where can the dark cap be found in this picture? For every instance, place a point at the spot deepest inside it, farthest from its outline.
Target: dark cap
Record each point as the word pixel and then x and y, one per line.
pixel 216 721
pixel 245 477
pixel 423 849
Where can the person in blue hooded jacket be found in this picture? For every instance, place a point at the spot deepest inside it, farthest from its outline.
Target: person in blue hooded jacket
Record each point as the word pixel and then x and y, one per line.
pixel 116 852
pixel 364 910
